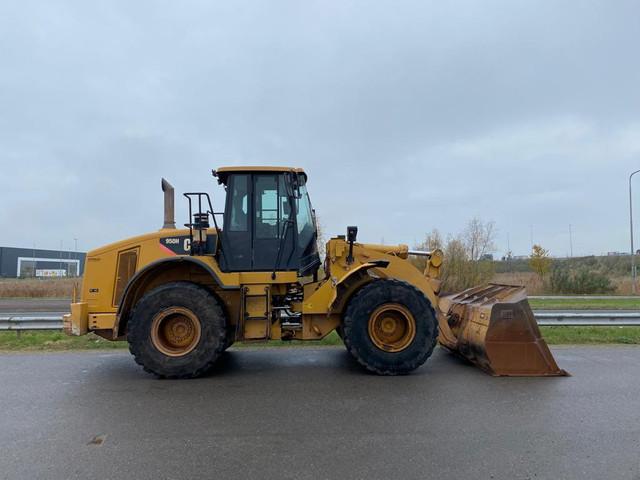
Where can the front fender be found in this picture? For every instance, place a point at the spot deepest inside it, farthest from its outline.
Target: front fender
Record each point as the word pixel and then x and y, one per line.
pixel 350 280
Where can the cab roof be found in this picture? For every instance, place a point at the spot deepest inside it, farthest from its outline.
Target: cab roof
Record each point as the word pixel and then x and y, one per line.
pixel 223 173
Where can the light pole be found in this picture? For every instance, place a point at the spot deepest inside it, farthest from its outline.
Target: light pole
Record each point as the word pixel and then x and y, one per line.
pixel 633 253
pixel 570 242
pixel 75 255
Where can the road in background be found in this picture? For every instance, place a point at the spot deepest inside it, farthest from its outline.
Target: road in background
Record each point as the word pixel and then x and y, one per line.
pixel 313 413
pixel 30 306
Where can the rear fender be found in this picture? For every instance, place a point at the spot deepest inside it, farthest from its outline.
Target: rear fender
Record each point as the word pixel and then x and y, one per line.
pixel 172 269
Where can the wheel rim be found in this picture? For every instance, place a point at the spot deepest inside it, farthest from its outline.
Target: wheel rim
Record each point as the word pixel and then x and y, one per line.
pixel 175 331
pixel 392 327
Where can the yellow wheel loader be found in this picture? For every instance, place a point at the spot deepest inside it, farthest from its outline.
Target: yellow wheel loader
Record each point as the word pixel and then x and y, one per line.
pixel 180 297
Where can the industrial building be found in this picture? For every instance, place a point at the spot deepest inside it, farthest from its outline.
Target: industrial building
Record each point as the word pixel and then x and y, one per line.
pixel 32 262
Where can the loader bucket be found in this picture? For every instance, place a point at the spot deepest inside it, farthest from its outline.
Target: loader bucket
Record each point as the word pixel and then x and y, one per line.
pixel 493 327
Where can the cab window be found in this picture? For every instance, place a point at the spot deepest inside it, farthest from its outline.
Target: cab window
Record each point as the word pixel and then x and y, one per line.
pixel 304 219
pixel 266 199
pixel 272 207
pixel 238 217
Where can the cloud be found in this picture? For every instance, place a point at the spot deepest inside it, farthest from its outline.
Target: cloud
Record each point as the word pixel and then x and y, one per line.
pixel 407 115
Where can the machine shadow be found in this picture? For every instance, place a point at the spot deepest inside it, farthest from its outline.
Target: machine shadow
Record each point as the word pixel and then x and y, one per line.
pixel 246 362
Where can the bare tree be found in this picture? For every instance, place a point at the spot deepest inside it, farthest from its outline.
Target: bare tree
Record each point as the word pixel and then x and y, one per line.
pixel 479 238
pixel 456 265
pixel 432 240
pixel 463 265
pixel 320 240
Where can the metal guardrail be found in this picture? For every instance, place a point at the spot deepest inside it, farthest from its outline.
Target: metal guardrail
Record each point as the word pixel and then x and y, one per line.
pixel 588 319
pixel 21 323
pixel 31 323
pixel 583 297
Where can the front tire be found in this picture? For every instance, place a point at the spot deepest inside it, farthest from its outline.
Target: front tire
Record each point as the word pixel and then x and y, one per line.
pixel 390 327
pixel 177 330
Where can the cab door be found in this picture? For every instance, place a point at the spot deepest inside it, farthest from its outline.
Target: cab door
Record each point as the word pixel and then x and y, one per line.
pixel 236 255
pixel 271 227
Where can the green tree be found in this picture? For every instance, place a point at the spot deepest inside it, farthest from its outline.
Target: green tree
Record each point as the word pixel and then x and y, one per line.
pixel 539 261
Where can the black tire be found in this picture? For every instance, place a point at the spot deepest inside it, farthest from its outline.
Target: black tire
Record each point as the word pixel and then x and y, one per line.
pixel 355 327
pixel 212 324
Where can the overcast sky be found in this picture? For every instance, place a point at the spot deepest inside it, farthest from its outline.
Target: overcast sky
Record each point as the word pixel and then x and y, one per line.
pixel 406 115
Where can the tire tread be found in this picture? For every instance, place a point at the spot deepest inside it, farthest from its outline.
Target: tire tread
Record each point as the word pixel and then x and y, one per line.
pixel 206 354
pixel 370 294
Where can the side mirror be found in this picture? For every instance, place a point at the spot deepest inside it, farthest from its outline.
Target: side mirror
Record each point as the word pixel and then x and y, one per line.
pixel 292 185
pixel 352 234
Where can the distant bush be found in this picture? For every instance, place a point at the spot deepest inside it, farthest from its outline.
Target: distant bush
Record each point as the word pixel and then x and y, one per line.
pixel 613 266
pixel 582 281
pixel 35 288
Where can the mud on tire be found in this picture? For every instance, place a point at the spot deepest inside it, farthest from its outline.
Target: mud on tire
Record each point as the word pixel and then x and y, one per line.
pixel 417 347
pixel 186 297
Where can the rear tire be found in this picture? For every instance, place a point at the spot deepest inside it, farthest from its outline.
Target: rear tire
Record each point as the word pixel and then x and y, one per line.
pixel 177 330
pixel 390 327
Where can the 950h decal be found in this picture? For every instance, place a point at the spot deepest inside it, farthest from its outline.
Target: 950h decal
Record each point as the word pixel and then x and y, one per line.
pixel 176 245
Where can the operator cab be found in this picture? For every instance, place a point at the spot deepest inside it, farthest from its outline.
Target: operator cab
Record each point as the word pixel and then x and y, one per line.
pixel 269 224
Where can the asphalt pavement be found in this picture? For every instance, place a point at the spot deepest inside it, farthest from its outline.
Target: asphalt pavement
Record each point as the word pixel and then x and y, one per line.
pixel 311 413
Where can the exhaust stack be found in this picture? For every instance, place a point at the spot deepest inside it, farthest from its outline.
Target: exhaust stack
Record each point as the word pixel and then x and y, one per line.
pixel 169 209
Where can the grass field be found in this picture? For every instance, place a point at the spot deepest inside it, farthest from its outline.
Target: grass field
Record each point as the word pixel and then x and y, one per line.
pixel 52 341
pixel 58 341
pixel 585 304
pixel 591 335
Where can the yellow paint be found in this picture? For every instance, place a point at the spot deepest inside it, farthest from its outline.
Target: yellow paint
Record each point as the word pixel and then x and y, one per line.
pixel 102 321
pixel 76 322
pixel 255 314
